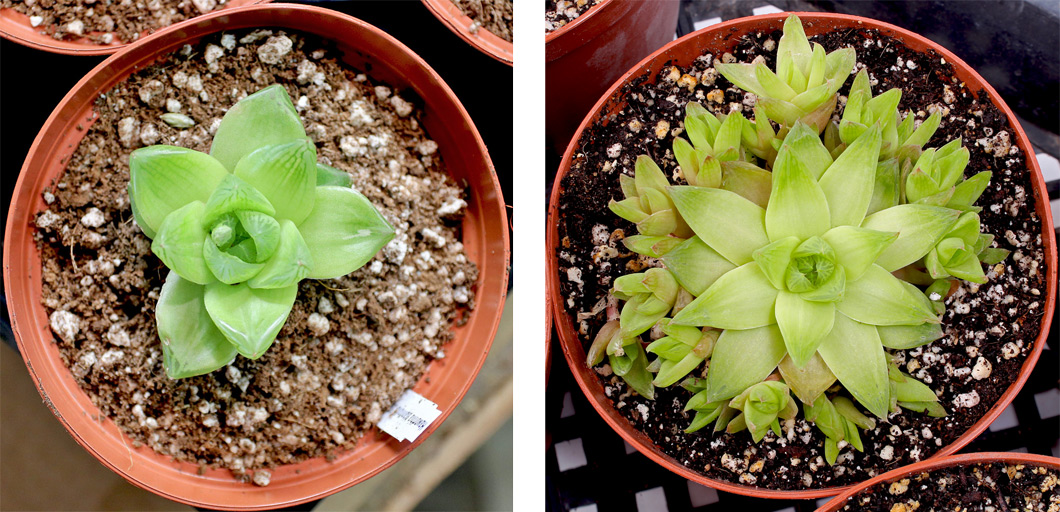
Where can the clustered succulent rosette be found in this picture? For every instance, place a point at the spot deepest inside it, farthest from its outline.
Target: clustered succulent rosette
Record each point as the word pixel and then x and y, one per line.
pixel 240 227
pixel 790 261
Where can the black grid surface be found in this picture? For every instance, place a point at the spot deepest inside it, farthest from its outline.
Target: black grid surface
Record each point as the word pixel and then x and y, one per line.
pixel 591 469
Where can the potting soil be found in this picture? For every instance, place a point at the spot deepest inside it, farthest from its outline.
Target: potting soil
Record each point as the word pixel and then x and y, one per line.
pixel 350 346
pixel 494 16
pixel 101 20
pixel 989 329
pixel 558 13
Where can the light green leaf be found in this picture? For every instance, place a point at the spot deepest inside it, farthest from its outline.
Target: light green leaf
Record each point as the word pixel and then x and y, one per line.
pixel 286 175
pixel 228 268
pixel 919 228
pixel 904 337
pixel 727 141
pixel 748 180
pixel 857 248
pixel 839 64
pixel 264 118
pixel 742 359
pixel 648 175
pixel 807 147
pixel 804 324
pixel 629 209
pixel 807 381
pixel 852 350
pixel 772 86
pixel 878 298
pixel 797 205
pixel 968 191
pixel 191 343
pixel 179 243
pixel 165 178
pixel 783 112
pixel 742 76
pixel 289 264
pixel 343 232
pixel 849 180
pixel 741 299
pixel 249 317
pixel 695 265
pixel 232 195
pixel 727 222
pixel 328 175
pixel 263 230
pixel 886 191
pixel 774 259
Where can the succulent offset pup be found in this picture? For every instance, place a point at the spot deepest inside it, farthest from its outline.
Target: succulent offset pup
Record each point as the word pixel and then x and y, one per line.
pixel 796 277
pixel 241 227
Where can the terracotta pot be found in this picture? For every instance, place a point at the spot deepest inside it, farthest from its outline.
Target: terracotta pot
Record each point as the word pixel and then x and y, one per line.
pixel 485 239
pixel 485 41
pixel 15 26
pixel 717 39
pixel 584 57
pixel 933 464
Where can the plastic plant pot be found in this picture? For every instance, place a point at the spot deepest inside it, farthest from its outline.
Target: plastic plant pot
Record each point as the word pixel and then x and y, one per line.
pixel 717 39
pixel 16 27
pixel 927 466
pixel 584 57
pixel 485 239
pixel 460 24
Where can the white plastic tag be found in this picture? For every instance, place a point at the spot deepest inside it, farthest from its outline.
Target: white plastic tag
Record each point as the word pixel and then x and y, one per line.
pixel 409 417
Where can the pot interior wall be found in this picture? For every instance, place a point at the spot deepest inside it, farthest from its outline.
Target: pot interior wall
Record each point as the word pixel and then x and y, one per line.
pixel 485 240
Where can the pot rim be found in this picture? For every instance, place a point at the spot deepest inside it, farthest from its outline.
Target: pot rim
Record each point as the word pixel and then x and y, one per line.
pixel 483 40
pixel 940 463
pixel 585 27
pixel 315 478
pixel 15 27
pixel 727 30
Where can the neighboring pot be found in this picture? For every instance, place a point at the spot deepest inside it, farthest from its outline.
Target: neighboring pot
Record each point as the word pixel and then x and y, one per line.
pixel 584 57
pixel 485 240
pixel 15 26
pixel 483 40
pixel 718 39
pixel 933 464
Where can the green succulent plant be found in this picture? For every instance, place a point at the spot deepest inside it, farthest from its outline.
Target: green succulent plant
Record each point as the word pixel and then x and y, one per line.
pixel 240 227
pixel 803 86
pixel 799 279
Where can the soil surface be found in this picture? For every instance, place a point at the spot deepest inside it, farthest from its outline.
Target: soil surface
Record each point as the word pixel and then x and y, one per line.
pixel 991 487
pixel 561 12
pixel 990 328
pixel 350 346
pixel 492 15
pixel 102 21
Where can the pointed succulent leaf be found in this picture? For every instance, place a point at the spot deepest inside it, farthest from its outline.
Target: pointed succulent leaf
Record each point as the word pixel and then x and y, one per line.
pixel 709 173
pixel 263 230
pixel 808 149
pixel 654 246
pixel 670 375
pixel 808 381
pixel 919 228
pixel 919 185
pixel 660 223
pixel 933 409
pixel 232 195
pixel 848 410
pixel 783 112
pixel 741 299
pixel 748 180
pixel 968 268
pixel 647 174
pixel 923 133
pixel 596 352
pixel 968 191
pixel 951 166
pixel 638 377
pixel 883 106
pixel 887 190
pixel 728 136
pixel 849 180
pixel 628 209
pixel 165 178
pixel 852 350
pixel 772 86
pixel 831 290
pixel 742 359
pixel 285 174
pixel 328 175
pixel 904 337
pixel 631 284
pixel 742 76
pixel 818 66
pixel 774 259
pixel 629 185
pixel 839 64
pixel 343 232
pixel 703 419
pixel 966 229
pixel 804 325
pixel 993 256
pixel 179 243
pixel 728 223
pixel 912 390
pixel 191 343
pixel 668 348
pixel 695 265
pixel 797 205
pixel 879 298
pixel 249 317
pixel 264 118
pixel 226 267
pixel 813 97
pixel 857 248
pixel 861 84
pixel 289 264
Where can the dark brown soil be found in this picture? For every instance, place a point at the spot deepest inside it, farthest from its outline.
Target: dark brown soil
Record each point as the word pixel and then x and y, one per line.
pixel 561 12
pixel 996 322
pixel 351 345
pixel 102 21
pixel 492 15
pixel 991 487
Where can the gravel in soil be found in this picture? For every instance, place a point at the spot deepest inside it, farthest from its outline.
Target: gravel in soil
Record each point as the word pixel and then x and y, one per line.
pixel 987 487
pixel 561 12
pixel 350 346
pixel 101 20
pixel 989 329
pixel 493 15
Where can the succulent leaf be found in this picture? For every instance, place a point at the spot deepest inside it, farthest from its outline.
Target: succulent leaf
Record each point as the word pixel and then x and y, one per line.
pixel 191 343
pixel 804 324
pixel 249 317
pixel 879 298
pixel 857 248
pixel 919 228
pixel 848 182
pixel 285 174
pixel 695 265
pixel 289 264
pixel 343 232
pixel 179 243
pixel 808 381
pixel 742 298
pixel 261 119
pixel 165 178
pixel 741 359
pixel 328 175
pixel 855 355
pixel 797 205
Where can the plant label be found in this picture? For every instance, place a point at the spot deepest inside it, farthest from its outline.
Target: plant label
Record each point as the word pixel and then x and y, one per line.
pixel 409 417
